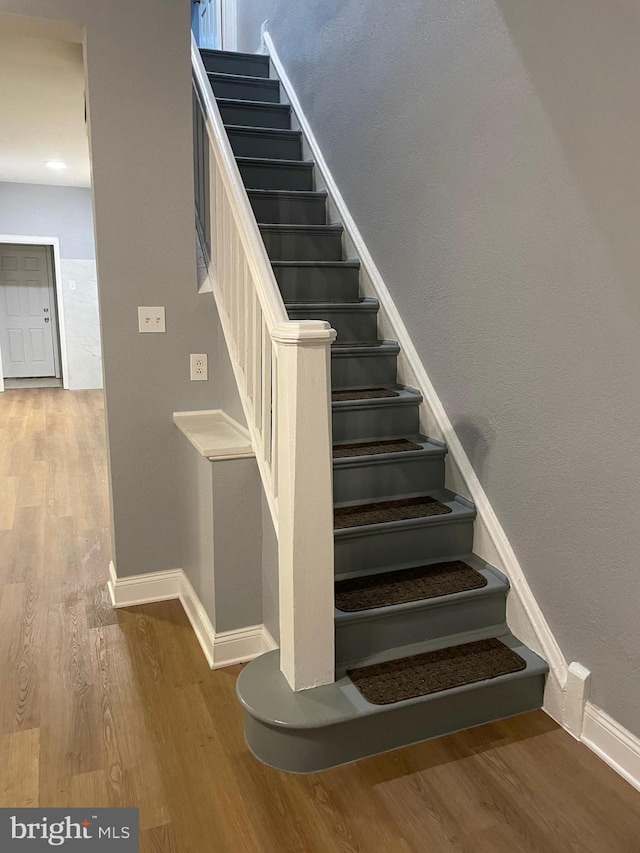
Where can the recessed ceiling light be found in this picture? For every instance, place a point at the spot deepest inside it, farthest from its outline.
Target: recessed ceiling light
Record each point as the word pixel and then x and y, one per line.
pixel 58 165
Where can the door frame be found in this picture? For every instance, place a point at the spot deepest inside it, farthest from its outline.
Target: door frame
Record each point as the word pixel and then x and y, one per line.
pixel 54 242
pixel 229 25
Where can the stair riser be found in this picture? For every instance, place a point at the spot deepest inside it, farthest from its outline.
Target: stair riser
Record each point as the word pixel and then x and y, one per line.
pixel 357 640
pixel 285 246
pixel 245 65
pixel 352 325
pixel 318 284
pixel 369 481
pixel 384 547
pixel 268 91
pixel 370 423
pixel 310 750
pixel 290 211
pixel 253 116
pixel 355 371
pixel 261 177
pixel 277 148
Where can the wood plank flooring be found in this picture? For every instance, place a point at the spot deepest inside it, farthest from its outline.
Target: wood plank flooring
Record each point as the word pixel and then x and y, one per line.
pixel 100 708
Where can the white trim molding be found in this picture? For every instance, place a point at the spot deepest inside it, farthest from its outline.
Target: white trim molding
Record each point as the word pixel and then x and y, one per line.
pixel 576 694
pixel 616 746
pixel 229 28
pixel 221 649
pixel 143 589
pixel 215 434
pixel 54 242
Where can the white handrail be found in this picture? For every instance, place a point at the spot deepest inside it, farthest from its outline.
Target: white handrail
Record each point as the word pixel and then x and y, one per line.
pixel 282 368
pixel 269 293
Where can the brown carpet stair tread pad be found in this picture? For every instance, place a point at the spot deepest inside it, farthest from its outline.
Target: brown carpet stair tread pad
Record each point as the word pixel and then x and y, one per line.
pixel 432 672
pixel 362 394
pixel 373 448
pixel 405 585
pixel 377 513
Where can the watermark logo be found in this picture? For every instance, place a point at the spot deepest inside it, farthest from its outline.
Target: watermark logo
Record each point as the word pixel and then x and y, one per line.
pixel 35 830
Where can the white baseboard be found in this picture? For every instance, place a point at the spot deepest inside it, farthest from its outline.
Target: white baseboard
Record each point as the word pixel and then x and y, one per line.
pixel 614 744
pixel 221 649
pixel 144 589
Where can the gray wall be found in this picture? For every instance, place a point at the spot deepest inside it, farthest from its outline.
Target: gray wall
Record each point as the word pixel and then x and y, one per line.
pixel 195 520
pixel 139 96
pixel 220 534
pixel 237 543
pixel 37 210
pixel 270 575
pixel 489 154
pixel 46 211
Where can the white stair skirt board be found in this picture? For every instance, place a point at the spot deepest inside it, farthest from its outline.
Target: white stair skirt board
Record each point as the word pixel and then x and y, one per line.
pixel 220 649
pixel 614 744
pixel 525 617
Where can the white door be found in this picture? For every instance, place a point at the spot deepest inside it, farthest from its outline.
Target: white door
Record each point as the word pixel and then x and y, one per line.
pixel 28 336
pixel 210 21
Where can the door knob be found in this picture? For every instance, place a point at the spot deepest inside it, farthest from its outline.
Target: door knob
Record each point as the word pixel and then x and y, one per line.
pixel 46 319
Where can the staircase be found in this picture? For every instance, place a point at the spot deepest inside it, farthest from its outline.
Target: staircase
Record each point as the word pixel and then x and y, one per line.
pixel 422 647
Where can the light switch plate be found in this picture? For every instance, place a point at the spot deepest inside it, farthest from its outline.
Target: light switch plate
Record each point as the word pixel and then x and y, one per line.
pixel 151 319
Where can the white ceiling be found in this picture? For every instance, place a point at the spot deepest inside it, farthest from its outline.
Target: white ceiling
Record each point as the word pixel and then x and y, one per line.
pixel 42 109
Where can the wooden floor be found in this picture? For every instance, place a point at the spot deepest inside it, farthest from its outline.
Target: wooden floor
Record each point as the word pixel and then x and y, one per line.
pixel 101 708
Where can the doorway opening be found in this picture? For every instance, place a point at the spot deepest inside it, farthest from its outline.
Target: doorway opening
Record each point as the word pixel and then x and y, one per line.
pixel 49 313
pixel 30 352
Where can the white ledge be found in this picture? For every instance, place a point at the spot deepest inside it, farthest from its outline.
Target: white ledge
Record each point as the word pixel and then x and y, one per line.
pixel 215 434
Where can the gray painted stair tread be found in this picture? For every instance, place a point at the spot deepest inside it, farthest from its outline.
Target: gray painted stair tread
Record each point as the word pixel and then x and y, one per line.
pixel 259 105
pixel 374 448
pixel 235 54
pixel 265 693
pixel 269 132
pixel 343 349
pixel 235 63
pixel 433 672
pixel 362 394
pixel 298 194
pixel 407 585
pixel 292 228
pixel 349 262
pixel 275 163
pixel 364 344
pixel 269 82
pixel 359 304
pixel 383 512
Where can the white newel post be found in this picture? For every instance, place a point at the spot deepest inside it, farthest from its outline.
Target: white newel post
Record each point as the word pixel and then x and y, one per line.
pixel 305 501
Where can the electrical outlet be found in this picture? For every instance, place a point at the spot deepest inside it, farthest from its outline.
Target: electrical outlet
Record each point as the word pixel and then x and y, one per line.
pixel 151 319
pixel 198 367
pixel 72 285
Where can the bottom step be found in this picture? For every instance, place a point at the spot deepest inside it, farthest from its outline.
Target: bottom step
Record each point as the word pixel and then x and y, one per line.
pixel 326 726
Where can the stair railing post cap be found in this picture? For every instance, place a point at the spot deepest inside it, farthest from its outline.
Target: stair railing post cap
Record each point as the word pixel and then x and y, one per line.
pixel 303 332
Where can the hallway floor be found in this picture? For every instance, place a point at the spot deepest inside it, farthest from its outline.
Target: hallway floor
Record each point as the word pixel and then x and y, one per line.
pixel 105 708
